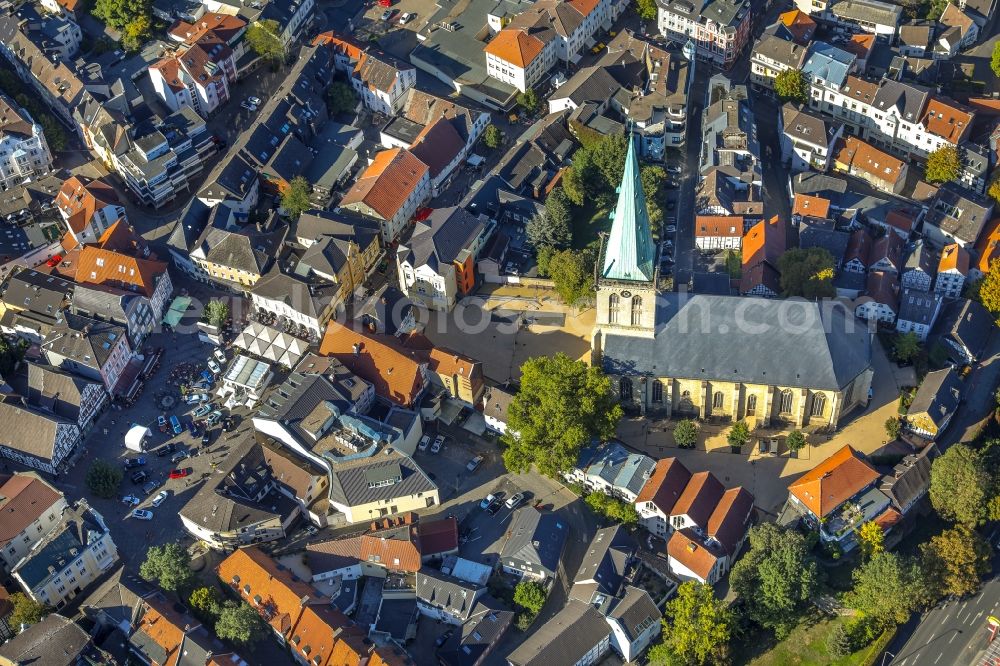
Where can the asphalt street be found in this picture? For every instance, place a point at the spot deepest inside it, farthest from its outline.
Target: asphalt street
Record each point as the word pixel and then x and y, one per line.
pixel 952 634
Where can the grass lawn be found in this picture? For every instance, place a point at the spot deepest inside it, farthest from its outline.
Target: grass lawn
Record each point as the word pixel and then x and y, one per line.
pixel 805 646
pixel 588 221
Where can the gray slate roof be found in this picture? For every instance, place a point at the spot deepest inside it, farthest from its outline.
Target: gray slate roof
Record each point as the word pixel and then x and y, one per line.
pixel 938 396
pixel 708 337
pixel 55 641
pixel 78 530
pixel 959 212
pixel 635 612
pixel 350 480
pixel 29 430
pixel 563 640
pixel 967 323
pixel 442 237
pixel 534 540
pixel 868 11
pixel 908 100
pixel 604 564
pixel 439 590
pixel 480 633
pixel 919 307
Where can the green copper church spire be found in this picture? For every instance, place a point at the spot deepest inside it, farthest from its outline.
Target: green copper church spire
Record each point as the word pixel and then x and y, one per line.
pixel 630 253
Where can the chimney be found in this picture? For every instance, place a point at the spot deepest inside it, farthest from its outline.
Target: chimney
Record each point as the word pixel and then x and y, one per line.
pixel 357 348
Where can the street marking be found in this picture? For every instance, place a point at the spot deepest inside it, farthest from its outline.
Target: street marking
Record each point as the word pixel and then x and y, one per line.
pixel 939 658
pixel 952 637
pixel 943 618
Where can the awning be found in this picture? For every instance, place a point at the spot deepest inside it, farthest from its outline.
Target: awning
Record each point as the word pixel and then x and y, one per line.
pixel 134 437
pixel 177 310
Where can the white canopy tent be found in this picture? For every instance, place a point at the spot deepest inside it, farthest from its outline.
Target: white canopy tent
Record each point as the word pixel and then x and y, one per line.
pixel 135 437
pixel 271 344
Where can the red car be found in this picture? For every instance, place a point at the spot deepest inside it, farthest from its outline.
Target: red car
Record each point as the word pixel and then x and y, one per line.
pixel 180 473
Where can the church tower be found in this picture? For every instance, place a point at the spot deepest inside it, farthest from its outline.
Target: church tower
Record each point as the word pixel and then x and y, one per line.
pixel 627 271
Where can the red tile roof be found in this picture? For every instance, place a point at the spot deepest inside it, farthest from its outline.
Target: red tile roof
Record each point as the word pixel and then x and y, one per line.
pixel 859 246
pixel 731 518
pixel 699 499
pixel 810 206
pixel 395 374
pixel 387 183
pixel 712 226
pixel 79 198
pixel 224 25
pixel 317 635
pixel 687 548
pixel 515 46
pixel 883 287
pixel 97 266
pixel 988 246
pixel 954 257
pixel 23 498
pixel 437 145
pixel 947 119
pixel 901 219
pixel 834 481
pixel 665 485
pixel 438 536
pixel 858 155
pixel 272 591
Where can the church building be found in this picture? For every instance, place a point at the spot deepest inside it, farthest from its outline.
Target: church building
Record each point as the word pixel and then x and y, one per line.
pixel 768 361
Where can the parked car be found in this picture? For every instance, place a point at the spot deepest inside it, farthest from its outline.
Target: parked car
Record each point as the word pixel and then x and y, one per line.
pixel 206 438
pixel 161 421
pixel 202 411
pixel 487 501
pixel 179 456
pixel 139 477
pixel 140 514
pixel 248 106
pixel 424 442
pixel 170 447
pixel 311 530
pixel 202 386
pixel 474 463
pixel 214 418
pixel 494 506
pixel 254 100
pixel 438 443
pixel 132 463
pixel 160 498
pixel 671 228
pixel 213 366
pixel 131 500
pixel 227 424
pixel 192 399
pixel 514 500
pixel 175 425
pixel 674 169
pixel 406 17
pixel 219 355
pixel 443 638
pixel 150 486
pixel 387 14
pixel 180 473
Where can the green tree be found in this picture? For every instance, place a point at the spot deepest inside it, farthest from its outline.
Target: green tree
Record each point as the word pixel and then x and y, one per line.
pixel 653 178
pixel 988 289
pixel 493 136
pixel 216 312
pixel 609 157
pixel 571 273
pixel 943 165
pixel 871 538
pixel 544 254
pixel 906 347
pixel 994 189
pixel 26 611
pixel 581 181
pixel 956 561
pixel 791 85
pixel 169 566
pixel 119 13
pixel 738 435
pixel 103 478
pixel 777 576
pixel 530 596
pixel 136 32
pixel 698 626
pixel 562 405
pixel 10 354
pixel 206 602
pixel 240 623
pixel 686 434
pixel 264 39
pixel 887 589
pixel 647 10
pixel 960 487
pixel 807 272
pixel 995 59
pixel 795 441
pixel 295 199
pixel 340 99
pixel 554 227
pixel 615 510
pixel 55 133
pixel 935 8
pixel 528 100
pixel 893 426
pixel 839 642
